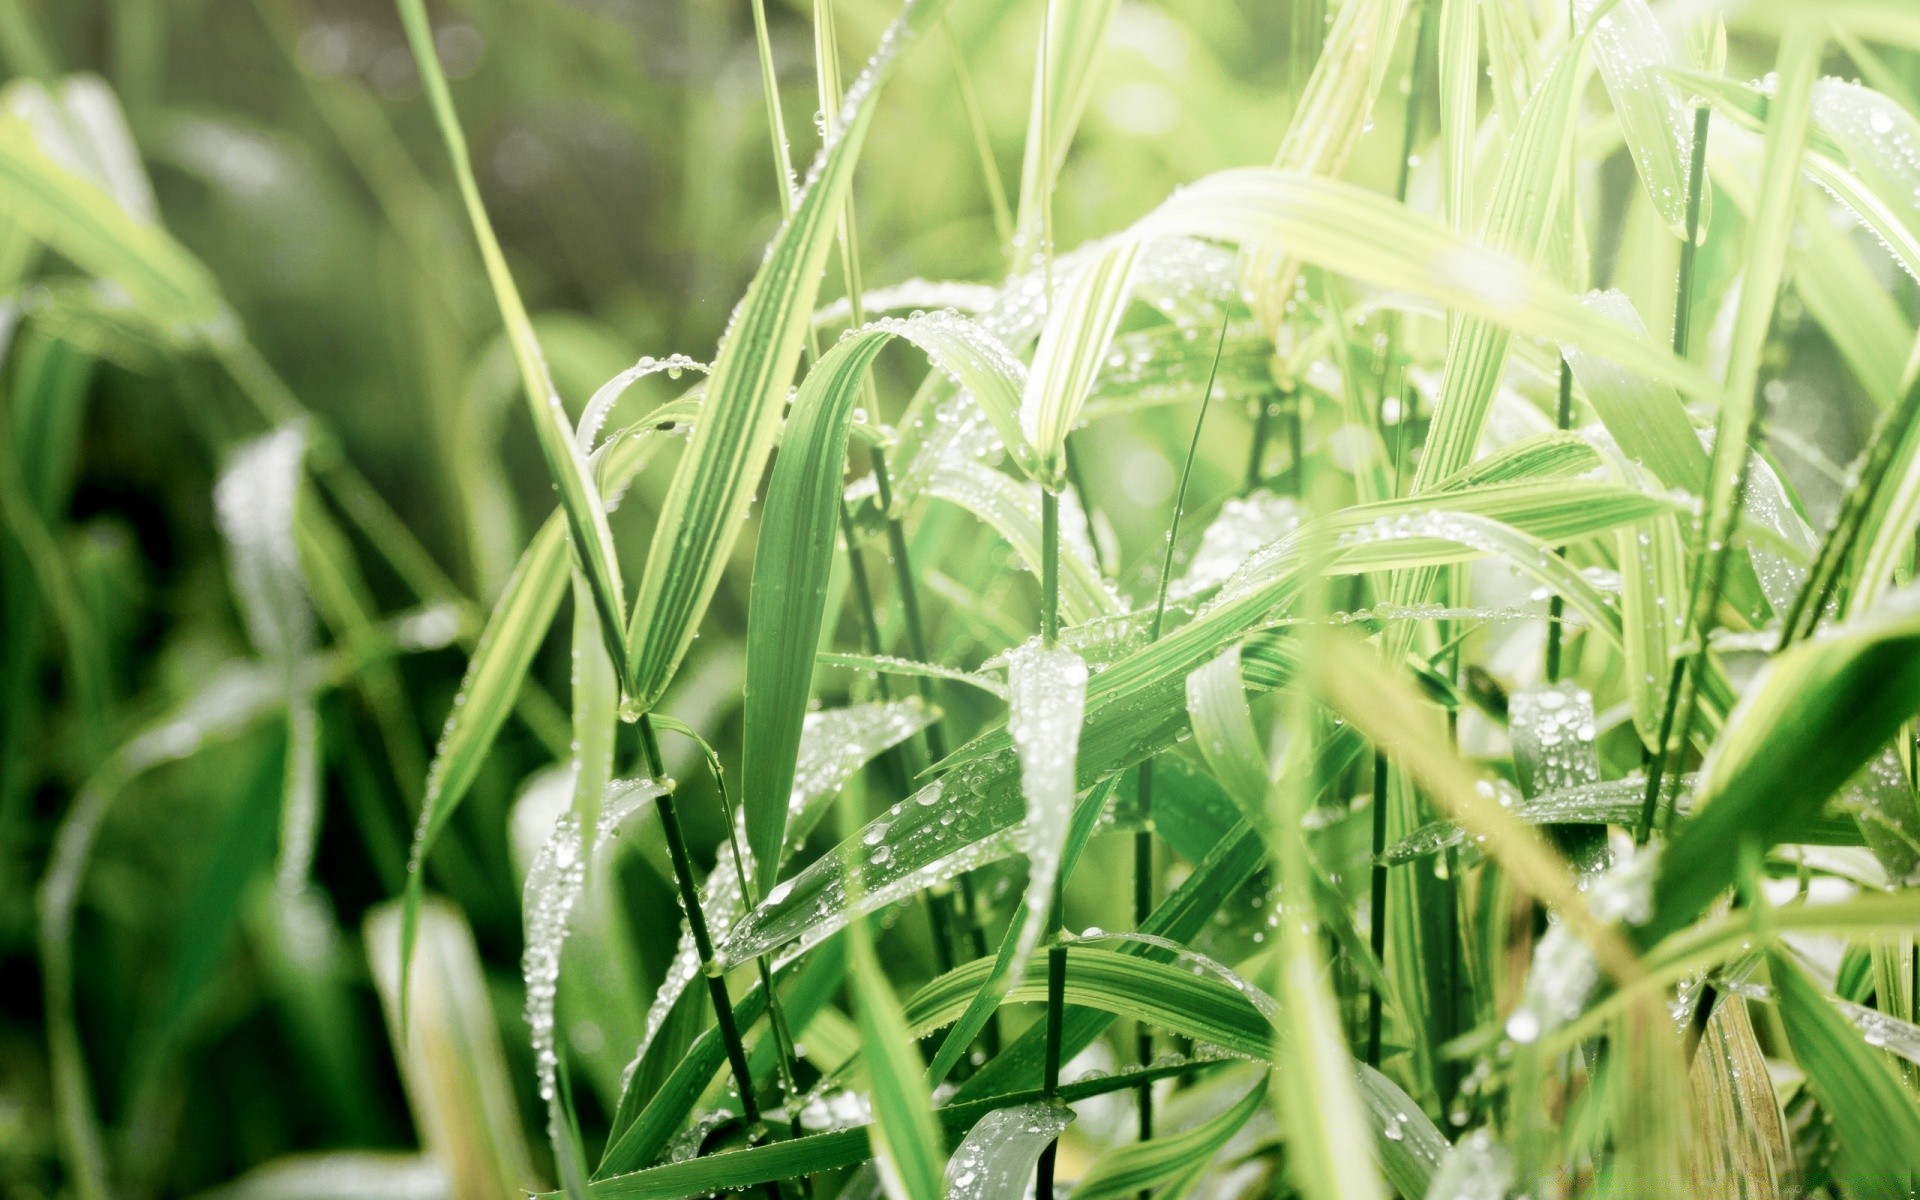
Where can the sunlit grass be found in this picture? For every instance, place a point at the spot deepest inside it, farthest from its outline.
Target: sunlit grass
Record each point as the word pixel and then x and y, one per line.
pixel 1346 632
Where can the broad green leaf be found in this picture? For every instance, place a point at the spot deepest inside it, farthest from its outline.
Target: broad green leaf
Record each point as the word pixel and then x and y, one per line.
pixel 714 482
pixel 996 1160
pixel 796 549
pixel 1815 715
pixel 1632 53
pixel 1874 1115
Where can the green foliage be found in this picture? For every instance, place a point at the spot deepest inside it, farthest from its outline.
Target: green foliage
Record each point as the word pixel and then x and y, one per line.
pixel 1219 817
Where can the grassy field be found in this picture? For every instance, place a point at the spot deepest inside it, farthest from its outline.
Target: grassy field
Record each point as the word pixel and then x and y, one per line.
pixel 1196 599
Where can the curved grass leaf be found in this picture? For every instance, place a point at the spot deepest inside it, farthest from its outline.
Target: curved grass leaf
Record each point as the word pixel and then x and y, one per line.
pixel 1073 345
pixel 789 591
pixel 1874 1116
pixel 1631 51
pixel 1177 1157
pixel 1361 234
pixel 736 1170
pixel 591 537
pixel 907 1142
pixel 714 481
pixel 996 1160
pixel 1817 714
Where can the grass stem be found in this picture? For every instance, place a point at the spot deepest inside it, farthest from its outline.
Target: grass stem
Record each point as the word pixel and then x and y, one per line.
pixel 697 923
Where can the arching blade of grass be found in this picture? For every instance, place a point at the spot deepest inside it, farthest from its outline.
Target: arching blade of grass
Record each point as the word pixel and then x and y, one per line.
pixel 591 537
pixel 714 482
pixel 1178 1157
pixel 737 1170
pixel 1875 1118
pixel 513 634
pixel 997 1159
pixel 908 1145
pixel 1327 122
pixel 1166 994
pixel 788 599
pixel 1630 50
pixel 1077 32
pixel 1013 510
pixel 1819 712
pixel 1073 345
pixel 81 221
pixel 1359 233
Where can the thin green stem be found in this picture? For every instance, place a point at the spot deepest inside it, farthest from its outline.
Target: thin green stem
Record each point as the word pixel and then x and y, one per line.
pixel 1556 607
pixel 1696 187
pixel 983 145
pixel 697 923
pixel 1049 568
pixel 1377 905
pixel 1257 454
pixel 1682 323
pixel 1683 698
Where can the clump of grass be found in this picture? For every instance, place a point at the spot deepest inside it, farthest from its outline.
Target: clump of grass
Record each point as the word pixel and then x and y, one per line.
pixel 1380 676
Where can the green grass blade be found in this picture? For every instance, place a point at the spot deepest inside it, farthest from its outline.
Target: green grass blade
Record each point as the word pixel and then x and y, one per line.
pixel 789 591
pixel 1874 1116
pixel 1073 345
pixel 592 538
pixel 1065 77
pixel 997 1159
pixel 1142 1166
pixel 714 482
pixel 79 219
pixel 908 1144
pixel 1631 51
pixel 1818 713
